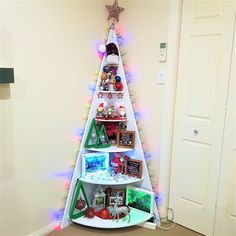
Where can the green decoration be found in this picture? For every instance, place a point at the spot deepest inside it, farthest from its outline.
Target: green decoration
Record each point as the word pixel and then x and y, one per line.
pixel 102 141
pixel 92 137
pixel 72 214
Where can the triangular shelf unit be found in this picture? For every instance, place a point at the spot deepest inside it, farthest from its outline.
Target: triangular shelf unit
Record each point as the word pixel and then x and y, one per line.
pixel 125 159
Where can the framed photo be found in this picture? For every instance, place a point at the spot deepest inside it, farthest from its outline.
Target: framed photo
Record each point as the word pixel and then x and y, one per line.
pixel 126 139
pixel 117 195
pixel 140 199
pixel 95 163
pixel 134 168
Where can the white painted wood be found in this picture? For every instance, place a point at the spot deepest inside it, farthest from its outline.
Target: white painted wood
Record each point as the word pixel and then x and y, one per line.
pixel 148 225
pixel 205 49
pixel 169 106
pixel 104 181
pixel 45 230
pixel 136 218
pixel 111 149
pixel 123 120
pixel 226 204
pixel 136 153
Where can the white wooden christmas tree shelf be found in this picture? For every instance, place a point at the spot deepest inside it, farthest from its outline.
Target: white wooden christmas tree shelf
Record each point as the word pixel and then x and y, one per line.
pixel 137 216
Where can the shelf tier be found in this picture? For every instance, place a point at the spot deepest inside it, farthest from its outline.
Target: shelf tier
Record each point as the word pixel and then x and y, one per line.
pixel 110 149
pixel 103 120
pixel 136 218
pixel 105 181
pixel 113 92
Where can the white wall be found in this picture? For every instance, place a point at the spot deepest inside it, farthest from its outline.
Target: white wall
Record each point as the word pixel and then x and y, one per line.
pixel 51 46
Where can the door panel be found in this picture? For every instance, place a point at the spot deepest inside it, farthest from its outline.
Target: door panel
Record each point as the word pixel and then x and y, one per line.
pixel 204 64
pixel 226 205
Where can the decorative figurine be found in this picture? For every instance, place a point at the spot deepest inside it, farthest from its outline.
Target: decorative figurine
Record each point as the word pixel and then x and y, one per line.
pixel 112 54
pixel 104 86
pixel 120 210
pixel 112 83
pixel 119 163
pixel 121 112
pixel 110 112
pixel 99 201
pixel 100 111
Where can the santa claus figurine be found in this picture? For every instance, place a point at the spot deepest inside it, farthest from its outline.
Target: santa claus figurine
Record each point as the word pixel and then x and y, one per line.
pixel 121 112
pixel 100 111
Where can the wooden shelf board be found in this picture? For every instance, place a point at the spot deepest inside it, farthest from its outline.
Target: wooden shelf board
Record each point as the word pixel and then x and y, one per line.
pixel 123 120
pixel 101 181
pixel 110 149
pixel 136 218
pixel 113 92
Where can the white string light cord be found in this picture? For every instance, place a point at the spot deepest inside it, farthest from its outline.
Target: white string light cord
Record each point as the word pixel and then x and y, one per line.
pixel 170 210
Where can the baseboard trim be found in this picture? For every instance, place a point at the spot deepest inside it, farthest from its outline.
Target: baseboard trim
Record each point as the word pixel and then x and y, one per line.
pixel 45 230
pixel 148 225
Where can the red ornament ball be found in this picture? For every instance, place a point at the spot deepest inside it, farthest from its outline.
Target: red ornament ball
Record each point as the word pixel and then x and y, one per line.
pixel 89 212
pixel 80 204
pixel 104 213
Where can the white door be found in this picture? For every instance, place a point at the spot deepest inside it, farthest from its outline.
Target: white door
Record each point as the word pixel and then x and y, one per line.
pixel 226 205
pixel 204 64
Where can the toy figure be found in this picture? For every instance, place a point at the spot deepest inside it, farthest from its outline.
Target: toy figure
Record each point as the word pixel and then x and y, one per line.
pixel 116 211
pixel 121 112
pixel 100 111
pixel 104 86
pixel 112 83
pixel 110 112
pixel 118 163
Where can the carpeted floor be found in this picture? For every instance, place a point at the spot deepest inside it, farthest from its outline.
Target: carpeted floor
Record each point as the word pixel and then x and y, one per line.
pixel 79 230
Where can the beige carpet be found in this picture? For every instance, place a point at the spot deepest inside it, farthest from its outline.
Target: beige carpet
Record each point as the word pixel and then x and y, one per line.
pixel 79 230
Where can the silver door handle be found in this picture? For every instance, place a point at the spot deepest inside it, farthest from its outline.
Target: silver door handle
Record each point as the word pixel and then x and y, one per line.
pixel 195 132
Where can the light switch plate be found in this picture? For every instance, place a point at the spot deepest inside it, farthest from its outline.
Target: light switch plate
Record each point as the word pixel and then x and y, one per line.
pixel 161 77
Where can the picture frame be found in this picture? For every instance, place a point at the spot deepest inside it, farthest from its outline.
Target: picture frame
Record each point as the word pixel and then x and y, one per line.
pixel 117 195
pixel 140 199
pixel 134 168
pixel 126 139
pixel 95 163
